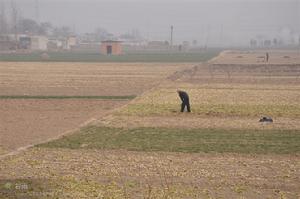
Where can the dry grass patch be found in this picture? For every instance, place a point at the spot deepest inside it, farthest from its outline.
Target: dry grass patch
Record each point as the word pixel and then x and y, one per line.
pixel 220 101
pixel 2 151
pixel 197 121
pixel 120 174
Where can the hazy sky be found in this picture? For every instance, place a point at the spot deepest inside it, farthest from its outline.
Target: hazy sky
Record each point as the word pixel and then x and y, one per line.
pixel 213 21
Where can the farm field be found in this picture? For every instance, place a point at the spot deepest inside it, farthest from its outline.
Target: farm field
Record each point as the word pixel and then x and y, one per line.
pixel 82 79
pixel 128 57
pixel 30 121
pixel 39 101
pixel 257 57
pixel 85 173
pixel 231 96
pixel 147 149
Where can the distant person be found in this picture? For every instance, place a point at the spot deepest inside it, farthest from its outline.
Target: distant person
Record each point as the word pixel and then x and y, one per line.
pixel 185 100
pixel 267 57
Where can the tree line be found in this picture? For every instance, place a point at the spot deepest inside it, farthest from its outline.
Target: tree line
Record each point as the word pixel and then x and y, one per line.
pixel 12 22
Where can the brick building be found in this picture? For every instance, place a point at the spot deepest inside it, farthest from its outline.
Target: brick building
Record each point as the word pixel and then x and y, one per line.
pixel 111 47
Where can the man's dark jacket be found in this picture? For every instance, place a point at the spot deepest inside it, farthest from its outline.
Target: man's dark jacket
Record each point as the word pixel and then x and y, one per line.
pixel 185 101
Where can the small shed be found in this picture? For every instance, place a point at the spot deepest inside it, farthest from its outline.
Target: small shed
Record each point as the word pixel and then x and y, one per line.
pixel 111 47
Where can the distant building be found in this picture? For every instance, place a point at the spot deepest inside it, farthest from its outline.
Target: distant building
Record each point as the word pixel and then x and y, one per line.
pixel 62 43
pixel 185 46
pixel 55 44
pixel 12 42
pixel 253 43
pixel 158 44
pixel 267 43
pixel 34 43
pixel 111 47
pixel 7 43
pixel 71 42
pixel 39 43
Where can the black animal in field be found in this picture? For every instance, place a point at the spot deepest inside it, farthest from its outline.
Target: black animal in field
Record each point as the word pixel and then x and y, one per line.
pixel 266 119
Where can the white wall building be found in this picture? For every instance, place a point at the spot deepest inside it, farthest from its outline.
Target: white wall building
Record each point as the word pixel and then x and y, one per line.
pixel 39 43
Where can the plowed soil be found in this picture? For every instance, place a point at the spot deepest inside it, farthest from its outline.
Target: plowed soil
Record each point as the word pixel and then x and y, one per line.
pixel 25 122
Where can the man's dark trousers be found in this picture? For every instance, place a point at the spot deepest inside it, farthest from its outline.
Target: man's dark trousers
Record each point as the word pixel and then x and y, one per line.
pixel 185 101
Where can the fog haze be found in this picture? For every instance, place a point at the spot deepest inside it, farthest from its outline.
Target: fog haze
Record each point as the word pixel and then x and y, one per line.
pixel 217 22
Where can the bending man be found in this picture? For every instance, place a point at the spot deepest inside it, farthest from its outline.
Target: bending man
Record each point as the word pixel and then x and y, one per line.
pixel 185 100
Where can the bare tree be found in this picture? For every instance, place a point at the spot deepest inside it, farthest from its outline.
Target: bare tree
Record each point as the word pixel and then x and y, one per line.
pixel 3 21
pixel 14 17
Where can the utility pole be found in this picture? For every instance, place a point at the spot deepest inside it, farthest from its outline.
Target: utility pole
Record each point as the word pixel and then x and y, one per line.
pixel 171 43
pixel 221 36
pixel 207 36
